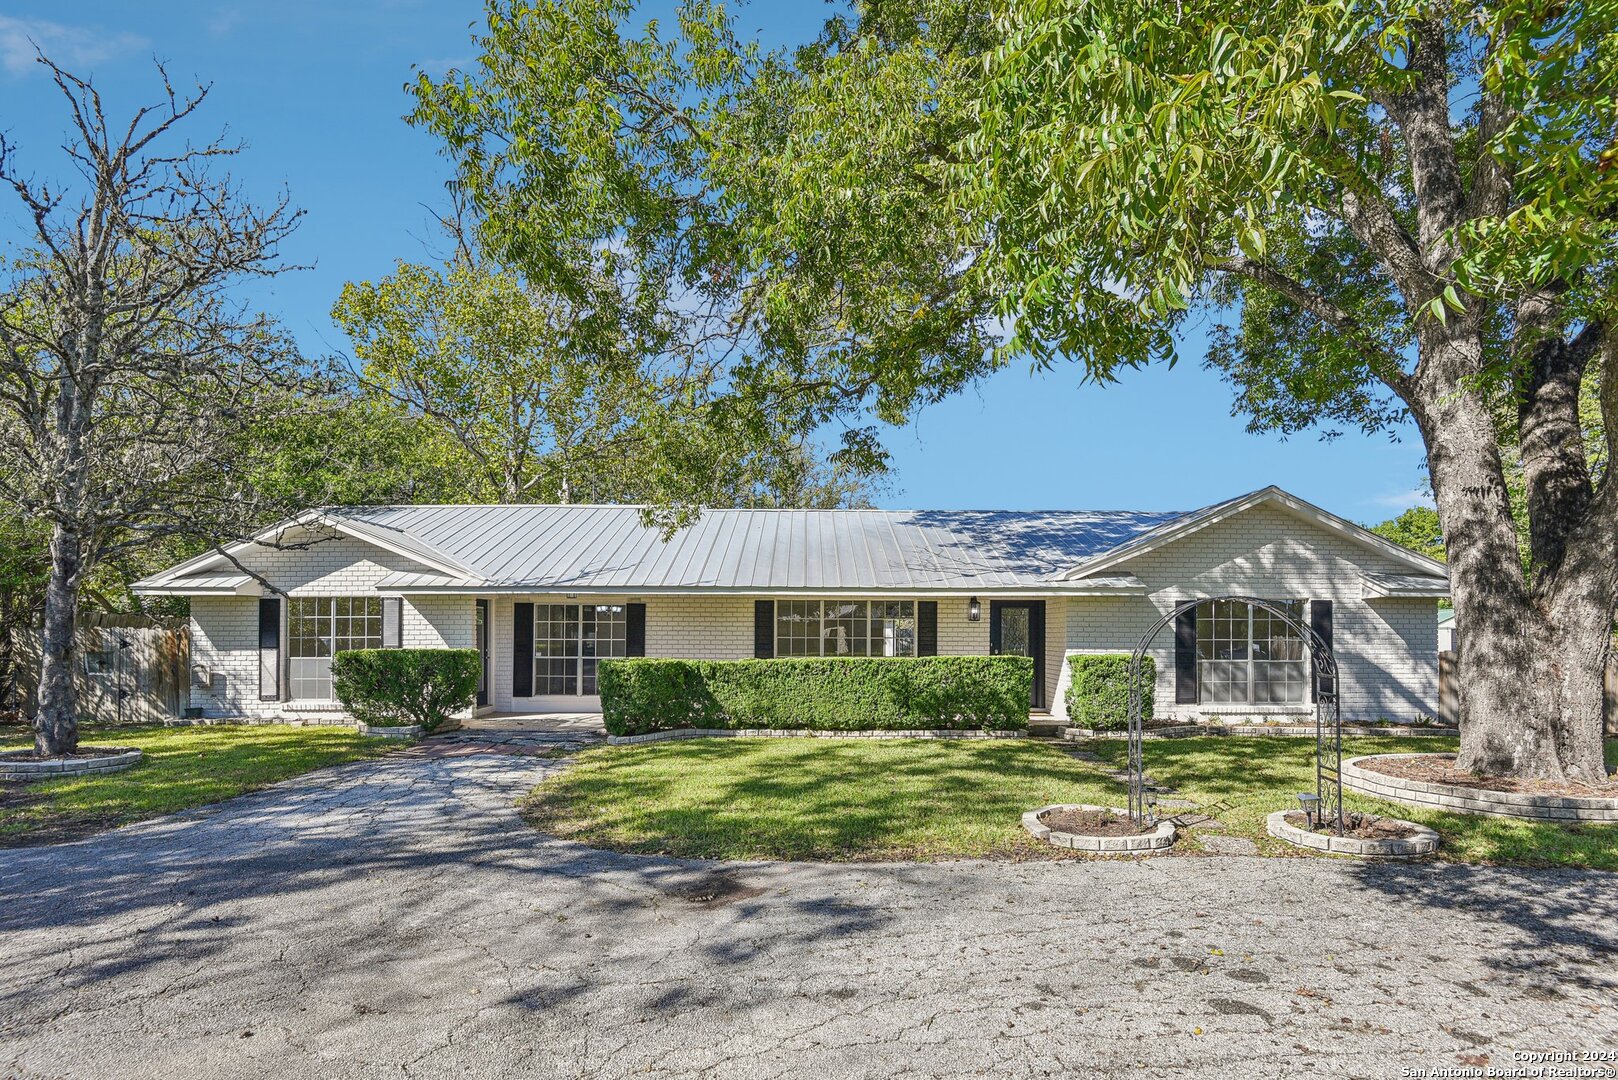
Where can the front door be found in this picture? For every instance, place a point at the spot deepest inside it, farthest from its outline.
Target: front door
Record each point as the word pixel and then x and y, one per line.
pixel 1017 628
pixel 482 631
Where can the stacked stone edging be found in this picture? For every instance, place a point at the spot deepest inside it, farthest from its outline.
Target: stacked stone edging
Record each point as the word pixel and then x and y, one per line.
pixel 1110 845
pixel 1467 800
pixel 1188 731
pixel 52 768
pixel 1424 842
pixel 806 733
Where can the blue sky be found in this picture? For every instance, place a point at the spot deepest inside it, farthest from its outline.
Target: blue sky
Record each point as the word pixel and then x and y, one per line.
pixel 316 90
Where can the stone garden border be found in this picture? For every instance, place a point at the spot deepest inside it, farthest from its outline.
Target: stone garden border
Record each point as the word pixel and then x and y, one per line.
pixel 807 733
pixel 52 768
pixel 1425 842
pixel 1106 845
pixel 1190 731
pixel 1466 800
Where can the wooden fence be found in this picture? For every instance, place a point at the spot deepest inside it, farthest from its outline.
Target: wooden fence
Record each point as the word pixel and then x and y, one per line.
pixel 127 669
pixel 1449 693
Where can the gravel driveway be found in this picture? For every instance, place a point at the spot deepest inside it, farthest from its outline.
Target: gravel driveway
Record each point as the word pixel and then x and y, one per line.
pixel 395 918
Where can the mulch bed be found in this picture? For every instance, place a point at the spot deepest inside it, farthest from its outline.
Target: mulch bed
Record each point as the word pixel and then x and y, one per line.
pixel 80 754
pixel 1091 823
pixel 1440 769
pixel 1360 826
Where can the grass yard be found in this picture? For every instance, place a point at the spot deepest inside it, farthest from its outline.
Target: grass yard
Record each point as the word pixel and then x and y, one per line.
pixel 183 767
pixel 920 799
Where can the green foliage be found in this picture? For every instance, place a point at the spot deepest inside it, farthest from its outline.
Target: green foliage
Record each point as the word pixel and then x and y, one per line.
pixel 782 222
pixel 836 694
pixel 1417 529
pixel 400 687
pixel 1098 693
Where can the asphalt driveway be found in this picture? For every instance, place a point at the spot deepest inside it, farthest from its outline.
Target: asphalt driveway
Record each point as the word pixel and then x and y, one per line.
pixel 395 918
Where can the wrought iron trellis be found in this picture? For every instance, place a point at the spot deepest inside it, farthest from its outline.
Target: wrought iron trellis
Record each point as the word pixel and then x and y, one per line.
pixel 1328 713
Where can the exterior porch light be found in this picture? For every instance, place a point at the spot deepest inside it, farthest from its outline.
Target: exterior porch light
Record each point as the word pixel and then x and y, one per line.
pixel 974 610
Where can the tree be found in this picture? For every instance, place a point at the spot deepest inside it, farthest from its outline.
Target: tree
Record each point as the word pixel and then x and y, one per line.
pixel 127 372
pixel 1417 529
pixel 1411 211
pixel 780 224
pixel 541 393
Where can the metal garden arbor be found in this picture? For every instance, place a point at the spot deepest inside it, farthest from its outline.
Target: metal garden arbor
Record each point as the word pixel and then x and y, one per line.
pixel 1328 714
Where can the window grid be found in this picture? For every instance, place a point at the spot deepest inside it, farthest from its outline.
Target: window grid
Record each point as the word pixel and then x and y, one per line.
pixel 319 627
pixel 1246 655
pixel 845 628
pixel 569 642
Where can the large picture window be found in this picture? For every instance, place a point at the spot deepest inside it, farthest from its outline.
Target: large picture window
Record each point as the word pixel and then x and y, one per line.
pixel 1246 655
pixel 318 627
pixel 569 642
pixel 845 628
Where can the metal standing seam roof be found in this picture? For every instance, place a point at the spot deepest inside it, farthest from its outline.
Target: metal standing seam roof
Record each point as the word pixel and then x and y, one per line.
pixel 579 548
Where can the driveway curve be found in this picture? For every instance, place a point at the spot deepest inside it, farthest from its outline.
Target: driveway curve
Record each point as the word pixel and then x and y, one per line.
pixel 395 918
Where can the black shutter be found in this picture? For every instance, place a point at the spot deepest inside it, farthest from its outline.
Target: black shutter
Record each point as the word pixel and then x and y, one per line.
pixel 522 650
pixel 392 622
pixel 763 629
pixel 1185 657
pixel 269 649
pixel 1320 622
pixel 634 629
pixel 926 627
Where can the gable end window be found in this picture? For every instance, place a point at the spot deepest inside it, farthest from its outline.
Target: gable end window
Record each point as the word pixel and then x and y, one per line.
pixel 1247 656
pixel 845 628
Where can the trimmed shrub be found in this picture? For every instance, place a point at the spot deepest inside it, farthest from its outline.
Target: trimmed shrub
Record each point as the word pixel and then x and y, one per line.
pixel 398 687
pixel 852 693
pixel 1098 693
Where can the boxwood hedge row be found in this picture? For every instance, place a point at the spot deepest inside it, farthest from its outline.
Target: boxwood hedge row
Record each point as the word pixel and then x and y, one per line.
pixel 823 694
pixel 400 687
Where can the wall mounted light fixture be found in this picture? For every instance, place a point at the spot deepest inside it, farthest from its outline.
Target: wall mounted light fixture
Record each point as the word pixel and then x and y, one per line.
pixel 974 610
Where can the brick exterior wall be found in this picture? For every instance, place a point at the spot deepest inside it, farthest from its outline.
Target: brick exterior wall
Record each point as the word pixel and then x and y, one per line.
pixel 1386 648
pixel 224 629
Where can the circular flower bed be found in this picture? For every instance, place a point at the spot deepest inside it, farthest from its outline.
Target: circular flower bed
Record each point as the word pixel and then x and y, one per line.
pixel 1105 829
pixel 1365 836
pixel 25 765
pixel 1431 780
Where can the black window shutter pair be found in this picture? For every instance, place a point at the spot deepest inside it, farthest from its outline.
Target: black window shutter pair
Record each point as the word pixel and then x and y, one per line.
pixel 1185 648
pixel 764 628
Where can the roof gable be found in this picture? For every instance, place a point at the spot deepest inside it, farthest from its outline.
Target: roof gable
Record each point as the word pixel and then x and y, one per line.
pixel 1189 524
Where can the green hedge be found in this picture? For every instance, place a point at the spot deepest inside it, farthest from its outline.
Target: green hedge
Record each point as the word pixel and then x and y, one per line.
pixel 832 694
pixel 396 687
pixel 1098 693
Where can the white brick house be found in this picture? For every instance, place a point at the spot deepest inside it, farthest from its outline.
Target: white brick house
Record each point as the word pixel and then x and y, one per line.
pixel 545 591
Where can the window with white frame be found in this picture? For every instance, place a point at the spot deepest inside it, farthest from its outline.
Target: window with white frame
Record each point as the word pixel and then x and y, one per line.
pixel 845 628
pixel 319 627
pixel 1247 655
pixel 569 642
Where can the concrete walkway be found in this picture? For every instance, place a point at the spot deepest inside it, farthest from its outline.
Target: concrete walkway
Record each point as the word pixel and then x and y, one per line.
pixel 395 918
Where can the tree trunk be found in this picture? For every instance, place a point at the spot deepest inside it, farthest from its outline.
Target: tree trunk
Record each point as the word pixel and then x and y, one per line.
pixel 1530 667
pixel 56 728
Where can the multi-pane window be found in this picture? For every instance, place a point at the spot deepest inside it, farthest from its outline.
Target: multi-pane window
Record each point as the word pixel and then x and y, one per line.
pixel 1246 655
pixel 570 639
pixel 845 628
pixel 319 627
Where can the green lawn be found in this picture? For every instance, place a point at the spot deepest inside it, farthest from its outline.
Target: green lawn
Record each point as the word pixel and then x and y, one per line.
pixel 183 767
pixel 919 799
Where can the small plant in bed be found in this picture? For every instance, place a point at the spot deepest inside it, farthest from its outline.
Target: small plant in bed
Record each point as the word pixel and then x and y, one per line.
pixel 405 687
pixel 1360 826
pixel 1091 823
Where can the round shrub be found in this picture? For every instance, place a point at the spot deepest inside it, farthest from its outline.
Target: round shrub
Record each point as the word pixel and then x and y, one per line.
pixel 1098 692
pixel 400 687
